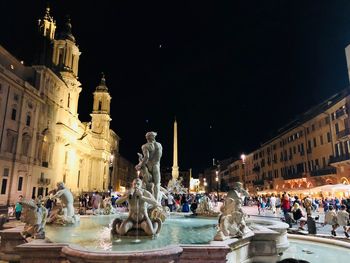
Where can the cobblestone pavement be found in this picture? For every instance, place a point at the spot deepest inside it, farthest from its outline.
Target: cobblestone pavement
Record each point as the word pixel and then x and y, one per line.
pixel 322 230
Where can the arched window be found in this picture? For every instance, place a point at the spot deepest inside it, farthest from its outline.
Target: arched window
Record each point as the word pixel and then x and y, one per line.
pixel 99 105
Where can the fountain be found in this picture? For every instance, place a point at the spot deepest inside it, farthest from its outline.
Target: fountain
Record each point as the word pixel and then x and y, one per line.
pixel 235 238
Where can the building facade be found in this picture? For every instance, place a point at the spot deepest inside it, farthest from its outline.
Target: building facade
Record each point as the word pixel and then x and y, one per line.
pixel 42 140
pixel 310 151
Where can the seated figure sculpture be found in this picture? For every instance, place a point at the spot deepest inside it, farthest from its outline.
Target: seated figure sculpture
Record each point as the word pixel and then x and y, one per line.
pixel 138 201
pixel 63 214
pixel 34 216
pixel 205 207
pixel 232 220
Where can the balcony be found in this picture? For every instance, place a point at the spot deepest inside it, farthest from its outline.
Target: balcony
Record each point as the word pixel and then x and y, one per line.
pixel 258 182
pixel 293 176
pixel 324 171
pixel 343 133
pixel 44 181
pixel 340 158
pixel 340 113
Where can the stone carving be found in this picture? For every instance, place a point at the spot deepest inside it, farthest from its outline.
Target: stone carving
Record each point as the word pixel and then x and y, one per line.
pixel 63 213
pixel 149 164
pixel 138 219
pixel 205 207
pixel 106 207
pixel 175 186
pixel 34 216
pixel 232 219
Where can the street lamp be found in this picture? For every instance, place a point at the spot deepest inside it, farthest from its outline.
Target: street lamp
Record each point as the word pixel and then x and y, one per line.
pixel 217 184
pixel 243 157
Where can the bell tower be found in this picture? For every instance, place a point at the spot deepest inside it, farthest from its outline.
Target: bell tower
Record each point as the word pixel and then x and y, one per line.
pixel 44 40
pixel 101 109
pixel 65 51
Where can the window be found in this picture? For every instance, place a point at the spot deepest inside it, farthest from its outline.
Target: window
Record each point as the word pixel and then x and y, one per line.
pixel 3 186
pixel 20 183
pixel 328 137
pixel 313 127
pixel 78 179
pixel 321 139
pixel 68 102
pixel 28 120
pixel 33 192
pixel 315 142
pixel 324 162
pixel 327 120
pixel 336 128
pixel 13 114
pixel 99 105
pixel 40 191
pixel 6 172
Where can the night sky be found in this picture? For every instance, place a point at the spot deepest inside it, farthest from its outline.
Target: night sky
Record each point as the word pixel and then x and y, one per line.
pixel 232 72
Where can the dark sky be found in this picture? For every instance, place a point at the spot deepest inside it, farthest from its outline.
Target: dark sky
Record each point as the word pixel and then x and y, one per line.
pixel 232 72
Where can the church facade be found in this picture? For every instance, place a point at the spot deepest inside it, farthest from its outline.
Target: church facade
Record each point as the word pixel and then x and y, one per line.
pixel 42 140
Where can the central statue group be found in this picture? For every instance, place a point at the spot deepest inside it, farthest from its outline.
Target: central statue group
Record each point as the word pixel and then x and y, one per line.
pixel 144 198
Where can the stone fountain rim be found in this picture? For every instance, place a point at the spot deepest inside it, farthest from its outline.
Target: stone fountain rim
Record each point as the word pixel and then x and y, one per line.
pixel 72 249
pixel 322 240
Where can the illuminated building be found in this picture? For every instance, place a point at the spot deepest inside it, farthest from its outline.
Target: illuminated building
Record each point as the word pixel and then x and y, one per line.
pixel 42 140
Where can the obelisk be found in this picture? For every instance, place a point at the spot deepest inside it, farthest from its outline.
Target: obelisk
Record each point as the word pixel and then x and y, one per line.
pixel 175 168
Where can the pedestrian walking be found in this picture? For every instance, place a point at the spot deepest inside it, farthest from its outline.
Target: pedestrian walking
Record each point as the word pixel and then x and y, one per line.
pixel 343 219
pixel 330 218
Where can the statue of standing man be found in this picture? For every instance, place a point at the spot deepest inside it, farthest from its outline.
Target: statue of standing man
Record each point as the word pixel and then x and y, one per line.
pixel 152 152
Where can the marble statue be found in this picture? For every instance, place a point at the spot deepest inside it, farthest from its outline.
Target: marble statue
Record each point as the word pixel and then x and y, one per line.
pixel 205 207
pixel 139 200
pixel 175 186
pixel 63 213
pixel 34 216
pixel 232 219
pixel 149 164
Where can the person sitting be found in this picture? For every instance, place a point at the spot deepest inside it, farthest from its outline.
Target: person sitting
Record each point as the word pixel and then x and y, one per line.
pixel 298 214
pixel 194 206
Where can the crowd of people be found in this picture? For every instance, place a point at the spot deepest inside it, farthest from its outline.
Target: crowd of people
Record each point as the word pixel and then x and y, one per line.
pixel 297 209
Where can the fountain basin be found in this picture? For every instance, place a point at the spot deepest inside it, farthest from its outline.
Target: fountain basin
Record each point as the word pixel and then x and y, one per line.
pixel 182 240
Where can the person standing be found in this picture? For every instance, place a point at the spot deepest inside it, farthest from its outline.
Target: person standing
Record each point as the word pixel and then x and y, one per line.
pixel 286 206
pixel 96 200
pixel 18 208
pixel 273 203
pixel 170 202
pixel 330 218
pixel 343 219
